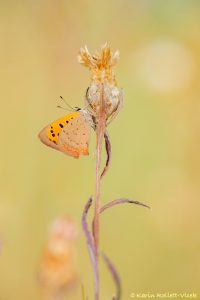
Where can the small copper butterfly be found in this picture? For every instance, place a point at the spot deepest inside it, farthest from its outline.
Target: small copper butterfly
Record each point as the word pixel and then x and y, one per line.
pixel 69 134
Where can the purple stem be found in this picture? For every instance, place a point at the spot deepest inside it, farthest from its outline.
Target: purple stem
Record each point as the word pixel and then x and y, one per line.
pixel 108 151
pixel 120 201
pixel 91 247
pixel 115 276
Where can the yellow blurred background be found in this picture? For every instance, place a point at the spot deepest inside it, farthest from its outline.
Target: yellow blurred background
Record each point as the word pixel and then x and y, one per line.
pixel 155 141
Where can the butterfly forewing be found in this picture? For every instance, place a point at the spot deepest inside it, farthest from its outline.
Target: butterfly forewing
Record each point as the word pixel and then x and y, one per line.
pixel 69 134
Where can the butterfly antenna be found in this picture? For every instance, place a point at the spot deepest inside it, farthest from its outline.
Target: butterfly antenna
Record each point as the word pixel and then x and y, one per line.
pixel 65 108
pixel 66 103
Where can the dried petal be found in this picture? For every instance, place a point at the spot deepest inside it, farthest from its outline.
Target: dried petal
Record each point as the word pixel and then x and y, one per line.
pixel 101 63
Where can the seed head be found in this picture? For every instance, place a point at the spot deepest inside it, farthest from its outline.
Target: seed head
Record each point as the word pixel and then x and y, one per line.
pixel 103 80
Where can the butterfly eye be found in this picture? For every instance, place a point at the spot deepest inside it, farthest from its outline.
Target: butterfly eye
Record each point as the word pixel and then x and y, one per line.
pixel 77 108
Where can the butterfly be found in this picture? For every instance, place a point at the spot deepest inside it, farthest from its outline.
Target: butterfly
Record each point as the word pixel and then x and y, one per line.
pixel 69 134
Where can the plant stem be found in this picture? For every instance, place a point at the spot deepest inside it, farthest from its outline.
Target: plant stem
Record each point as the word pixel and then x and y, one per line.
pixel 100 130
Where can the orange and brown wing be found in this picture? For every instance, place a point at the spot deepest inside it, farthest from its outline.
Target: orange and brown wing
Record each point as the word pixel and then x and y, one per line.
pixel 69 134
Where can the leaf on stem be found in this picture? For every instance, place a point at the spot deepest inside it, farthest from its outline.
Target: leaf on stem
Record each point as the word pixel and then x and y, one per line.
pixel 115 276
pixel 108 151
pixel 120 201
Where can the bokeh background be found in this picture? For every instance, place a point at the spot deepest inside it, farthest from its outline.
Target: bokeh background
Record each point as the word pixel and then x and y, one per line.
pixel 155 141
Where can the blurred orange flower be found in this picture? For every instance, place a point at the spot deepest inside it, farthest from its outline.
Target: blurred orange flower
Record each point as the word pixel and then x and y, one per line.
pixel 57 271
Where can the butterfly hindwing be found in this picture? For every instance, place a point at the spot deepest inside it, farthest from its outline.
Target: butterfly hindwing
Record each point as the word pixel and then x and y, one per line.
pixel 69 134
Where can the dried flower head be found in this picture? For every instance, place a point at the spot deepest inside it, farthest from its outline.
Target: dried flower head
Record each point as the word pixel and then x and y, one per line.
pixel 101 65
pixel 57 268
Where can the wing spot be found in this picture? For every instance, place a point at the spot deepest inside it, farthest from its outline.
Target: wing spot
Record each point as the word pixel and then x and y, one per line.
pixel 53 134
pixel 67 121
pixel 51 131
pixel 54 142
pixel 61 125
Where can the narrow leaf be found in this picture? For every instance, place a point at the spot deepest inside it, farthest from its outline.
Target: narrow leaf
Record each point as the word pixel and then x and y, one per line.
pixel 108 151
pixel 120 201
pixel 115 276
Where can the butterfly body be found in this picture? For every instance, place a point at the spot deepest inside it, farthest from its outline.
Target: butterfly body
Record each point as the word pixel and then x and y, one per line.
pixel 69 134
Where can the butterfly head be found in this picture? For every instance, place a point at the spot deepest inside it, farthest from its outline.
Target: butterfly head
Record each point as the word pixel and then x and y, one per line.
pixel 76 108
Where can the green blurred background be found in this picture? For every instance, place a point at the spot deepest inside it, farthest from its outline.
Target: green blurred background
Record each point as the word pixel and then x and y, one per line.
pixel 155 141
